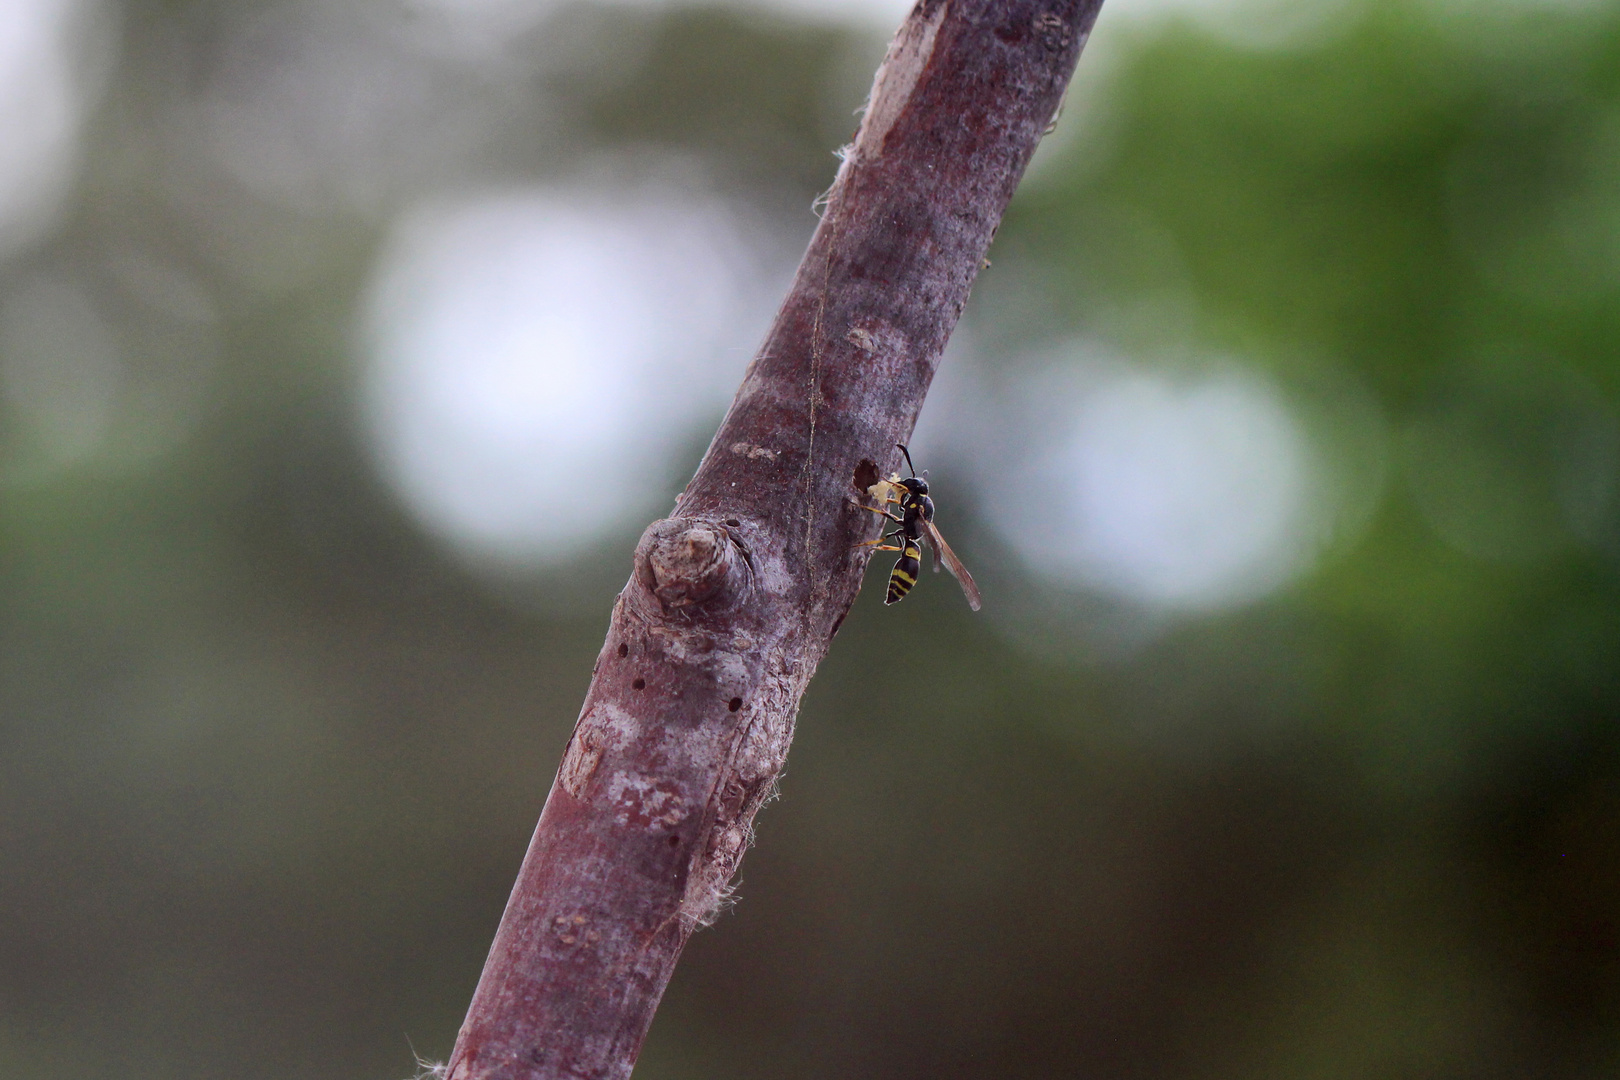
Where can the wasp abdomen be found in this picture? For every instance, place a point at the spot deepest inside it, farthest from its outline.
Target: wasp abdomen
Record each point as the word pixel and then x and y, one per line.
pixel 904 574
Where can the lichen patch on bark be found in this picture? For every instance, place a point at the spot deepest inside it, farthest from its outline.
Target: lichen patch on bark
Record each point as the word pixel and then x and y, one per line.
pixel 902 68
pixel 646 802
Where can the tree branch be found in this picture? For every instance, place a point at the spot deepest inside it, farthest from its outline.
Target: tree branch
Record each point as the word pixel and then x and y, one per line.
pixel 733 602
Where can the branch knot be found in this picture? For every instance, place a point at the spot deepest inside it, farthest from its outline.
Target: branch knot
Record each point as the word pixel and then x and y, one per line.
pixel 686 561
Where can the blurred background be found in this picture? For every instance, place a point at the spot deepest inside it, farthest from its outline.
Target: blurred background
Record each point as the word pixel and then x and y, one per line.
pixel 1283 434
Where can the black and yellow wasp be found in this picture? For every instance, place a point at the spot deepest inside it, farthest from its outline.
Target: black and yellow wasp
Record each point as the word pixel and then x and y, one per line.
pixel 916 521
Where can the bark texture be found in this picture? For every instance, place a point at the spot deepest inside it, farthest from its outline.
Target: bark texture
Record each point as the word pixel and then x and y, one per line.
pixel 733 601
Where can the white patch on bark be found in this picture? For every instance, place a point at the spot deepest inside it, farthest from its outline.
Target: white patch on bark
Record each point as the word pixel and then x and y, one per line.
pixel 652 804
pixel 749 450
pixel 878 338
pixel 908 55
pixel 606 728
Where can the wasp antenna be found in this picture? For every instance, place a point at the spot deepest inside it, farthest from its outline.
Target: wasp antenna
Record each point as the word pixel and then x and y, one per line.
pixel 906 452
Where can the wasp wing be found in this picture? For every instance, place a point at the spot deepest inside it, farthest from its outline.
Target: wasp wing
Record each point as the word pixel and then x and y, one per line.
pixel 942 550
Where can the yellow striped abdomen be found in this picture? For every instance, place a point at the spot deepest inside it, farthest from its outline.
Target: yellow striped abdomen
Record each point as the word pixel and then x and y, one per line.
pixel 904 574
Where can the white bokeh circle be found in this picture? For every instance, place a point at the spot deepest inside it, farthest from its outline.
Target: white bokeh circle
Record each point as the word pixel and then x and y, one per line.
pixel 49 72
pixel 1176 491
pixel 536 357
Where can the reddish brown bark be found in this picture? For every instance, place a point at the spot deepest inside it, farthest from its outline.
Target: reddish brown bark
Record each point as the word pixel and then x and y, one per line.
pixel 732 603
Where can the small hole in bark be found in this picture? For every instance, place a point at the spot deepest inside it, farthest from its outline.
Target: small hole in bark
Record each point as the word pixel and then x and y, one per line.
pixel 674 841
pixel 866 474
pixel 736 703
pixel 836 624
pixel 733 522
pixel 640 684
pixel 624 650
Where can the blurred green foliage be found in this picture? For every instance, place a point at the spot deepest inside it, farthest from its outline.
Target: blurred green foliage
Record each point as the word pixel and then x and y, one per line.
pixel 271 757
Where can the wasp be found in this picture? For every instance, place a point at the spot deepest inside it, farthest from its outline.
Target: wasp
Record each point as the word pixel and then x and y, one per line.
pixel 916 523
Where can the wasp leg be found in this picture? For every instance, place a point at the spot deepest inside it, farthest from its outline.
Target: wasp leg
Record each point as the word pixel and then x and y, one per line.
pixel 896 518
pixel 878 545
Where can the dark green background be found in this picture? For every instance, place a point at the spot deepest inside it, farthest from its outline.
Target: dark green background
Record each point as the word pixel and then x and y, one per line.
pixel 270 758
